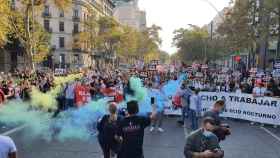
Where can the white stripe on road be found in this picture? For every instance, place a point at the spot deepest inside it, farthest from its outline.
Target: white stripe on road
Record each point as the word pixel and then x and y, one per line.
pixel 270 133
pixel 14 130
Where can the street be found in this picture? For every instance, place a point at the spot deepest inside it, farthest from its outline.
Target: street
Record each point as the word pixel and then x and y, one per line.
pixel 246 141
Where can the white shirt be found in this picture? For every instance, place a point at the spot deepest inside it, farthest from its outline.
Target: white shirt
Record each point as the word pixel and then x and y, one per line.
pixel 7 146
pixel 238 91
pixel 193 102
pixel 259 91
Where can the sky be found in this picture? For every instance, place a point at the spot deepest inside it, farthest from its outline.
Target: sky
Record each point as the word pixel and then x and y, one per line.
pixel 175 14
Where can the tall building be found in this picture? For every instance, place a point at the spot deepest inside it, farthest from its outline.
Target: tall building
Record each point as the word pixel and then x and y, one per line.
pixel 128 13
pixel 63 26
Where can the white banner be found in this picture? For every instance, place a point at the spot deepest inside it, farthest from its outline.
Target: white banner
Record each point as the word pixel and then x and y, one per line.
pixel 245 106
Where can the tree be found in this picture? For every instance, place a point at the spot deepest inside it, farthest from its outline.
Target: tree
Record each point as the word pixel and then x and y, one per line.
pixel 149 43
pixel 236 28
pixel 4 24
pixel 164 56
pixel 21 24
pixel 128 42
pixel 195 44
pixel 108 36
pixel 273 6
pixel 191 43
pixel 250 25
pixel 87 39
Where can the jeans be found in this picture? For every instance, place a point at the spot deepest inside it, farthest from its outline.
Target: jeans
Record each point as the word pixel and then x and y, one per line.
pixel 106 149
pixel 185 111
pixel 194 119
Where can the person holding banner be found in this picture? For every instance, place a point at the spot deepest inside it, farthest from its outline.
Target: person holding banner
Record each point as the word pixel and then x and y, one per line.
pixel 221 130
pixel 259 91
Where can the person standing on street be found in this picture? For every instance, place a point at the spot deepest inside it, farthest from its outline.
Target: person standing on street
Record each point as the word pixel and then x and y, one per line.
pixel 69 95
pixel 107 128
pixel 203 143
pixel 7 147
pixel 185 94
pixel 195 109
pixel 222 130
pixel 131 129
pixel 157 103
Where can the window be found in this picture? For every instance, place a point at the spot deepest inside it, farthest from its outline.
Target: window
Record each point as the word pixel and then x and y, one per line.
pixel 61 26
pixel 62 59
pixel 13 4
pixel 47 9
pixel 61 13
pixel 76 58
pixel 76 28
pixel 47 24
pixel 76 13
pixel 61 42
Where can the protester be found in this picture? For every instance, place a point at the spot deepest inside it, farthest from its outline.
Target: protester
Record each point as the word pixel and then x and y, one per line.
pixel 159 114
pixel 107 127
pixel 259 90
pixel 131 129
pixel 203 143
pixel 157 108
pixel 185 94
pixel 7 147
pixel 80 94
pixel 222 130
pixel 69 94
pixel 195 109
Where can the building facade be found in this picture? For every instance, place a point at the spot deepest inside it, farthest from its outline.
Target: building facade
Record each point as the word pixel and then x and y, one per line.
pixel 128 13
pixel 63 27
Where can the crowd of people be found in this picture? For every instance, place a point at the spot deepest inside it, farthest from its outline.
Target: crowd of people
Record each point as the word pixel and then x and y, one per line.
pixel 122 134
pixel 259 84
pixel 93 85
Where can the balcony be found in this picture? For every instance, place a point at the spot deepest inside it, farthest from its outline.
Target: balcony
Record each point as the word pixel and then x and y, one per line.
pixel 76 49
pixel 76 18
pixel 46 15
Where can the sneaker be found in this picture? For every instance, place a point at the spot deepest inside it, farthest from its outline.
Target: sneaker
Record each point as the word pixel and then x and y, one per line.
pixel 160 130
pixel 252 123
pixel 152 129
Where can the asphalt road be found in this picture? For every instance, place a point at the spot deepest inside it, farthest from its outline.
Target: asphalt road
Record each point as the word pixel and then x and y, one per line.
pixel 246 141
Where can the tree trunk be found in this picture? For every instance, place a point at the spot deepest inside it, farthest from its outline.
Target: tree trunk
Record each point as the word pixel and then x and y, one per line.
pixel 264 35
pixel 278 42
pixel 28 46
